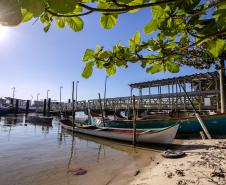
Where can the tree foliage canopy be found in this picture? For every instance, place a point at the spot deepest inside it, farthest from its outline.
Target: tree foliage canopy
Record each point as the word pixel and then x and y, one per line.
pixel 189 32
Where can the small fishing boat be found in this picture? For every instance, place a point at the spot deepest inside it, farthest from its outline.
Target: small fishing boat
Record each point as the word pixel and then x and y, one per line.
pixel 161 136
pixel 216 123
pixel 40 120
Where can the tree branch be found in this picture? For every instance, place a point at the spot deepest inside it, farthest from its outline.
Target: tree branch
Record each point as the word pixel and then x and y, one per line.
pixel 68 15
pixel 128 8
pixel 203 38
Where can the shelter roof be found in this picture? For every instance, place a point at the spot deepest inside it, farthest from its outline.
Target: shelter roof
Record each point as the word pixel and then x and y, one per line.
pixel 169 81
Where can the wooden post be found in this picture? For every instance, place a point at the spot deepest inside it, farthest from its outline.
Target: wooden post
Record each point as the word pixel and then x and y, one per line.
pixel 169 97
pixel 73 105
pixel 140 98
pixel 172 97
pixel 12 101
pixel 49 106
pixel 180 94
pixel 185 96
pixel 131 98
pixel 17 105
pixel 158 98
pixel 217 96
pixel 102 114
pixel 202 135
pixel 149 93
pixel 222 86
pixel 176 107
pixel 196 114
pixel 200 89
pixel 44 109
pixel 27 106
pixel 134 123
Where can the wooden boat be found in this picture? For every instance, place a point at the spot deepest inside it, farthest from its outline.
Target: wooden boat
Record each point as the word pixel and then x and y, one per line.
pixel 6 109
pixel 40 120
pixel 216 124
pixel 161 136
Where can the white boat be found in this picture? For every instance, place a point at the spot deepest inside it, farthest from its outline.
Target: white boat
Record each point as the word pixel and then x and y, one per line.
pixel 161 136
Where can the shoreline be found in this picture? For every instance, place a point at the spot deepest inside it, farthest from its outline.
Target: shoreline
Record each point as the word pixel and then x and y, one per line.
pixel 204 164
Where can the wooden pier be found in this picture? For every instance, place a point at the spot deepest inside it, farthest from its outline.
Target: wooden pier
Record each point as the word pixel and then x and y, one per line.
pixel 163 96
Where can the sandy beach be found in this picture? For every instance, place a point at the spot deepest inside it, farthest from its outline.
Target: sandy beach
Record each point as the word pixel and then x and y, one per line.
pixel 203 164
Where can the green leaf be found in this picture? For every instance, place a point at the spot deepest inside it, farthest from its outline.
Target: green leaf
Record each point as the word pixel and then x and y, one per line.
pixel 134 41
pixel 111 70
pixel 60 22
pixel 104 54
pixel 88 70
pixel 98 48
pixel 108 21
pixel 221 23
pixel 167 9
pixel 171 46
pixel 75 23
pixel 136 38
pixel 10 13
pixel 89 55
pixel 100 64
pixel 46 18
pixel 62 6
pixel 78 9
pixel 27 16
pixel 36 7
pixel 170 23
pixel 157 12
pixel 189 5
pixel 216 47
pixel 172 67
pixel 151 26
pixel 155 68
pixel 46 28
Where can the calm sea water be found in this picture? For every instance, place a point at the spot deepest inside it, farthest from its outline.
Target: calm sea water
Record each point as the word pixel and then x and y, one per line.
pixel 47 155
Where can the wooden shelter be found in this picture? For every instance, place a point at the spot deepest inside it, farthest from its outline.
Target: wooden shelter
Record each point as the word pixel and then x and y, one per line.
pixel 203 89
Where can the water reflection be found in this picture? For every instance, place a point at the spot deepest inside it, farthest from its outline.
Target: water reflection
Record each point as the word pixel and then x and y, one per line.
pixel 12 120
pixel 8 122
pixel 54 152
pixel 72 151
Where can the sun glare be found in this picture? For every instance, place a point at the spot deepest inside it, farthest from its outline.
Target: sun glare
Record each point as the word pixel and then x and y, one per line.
pixel 3 33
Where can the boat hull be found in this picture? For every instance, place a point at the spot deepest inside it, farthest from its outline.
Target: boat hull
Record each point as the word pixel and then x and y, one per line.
pixel 163 136
pixel 216 124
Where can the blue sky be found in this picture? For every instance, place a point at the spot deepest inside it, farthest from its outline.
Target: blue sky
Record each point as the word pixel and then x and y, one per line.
pixel 34 61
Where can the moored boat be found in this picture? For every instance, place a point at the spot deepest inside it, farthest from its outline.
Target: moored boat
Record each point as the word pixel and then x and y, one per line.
pixel 216 124
pixel 40 120
pixel 161 136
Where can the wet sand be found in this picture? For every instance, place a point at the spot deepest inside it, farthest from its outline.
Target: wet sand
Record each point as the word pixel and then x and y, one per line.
pixel 41 155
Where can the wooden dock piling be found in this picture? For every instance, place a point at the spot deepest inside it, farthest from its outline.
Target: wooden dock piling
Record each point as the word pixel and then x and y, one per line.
pixel 44 108
pixel 134 123
pixel 73 105
pixel 101 109
pixel 49 106
pixel 17 106
pixel 27 106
